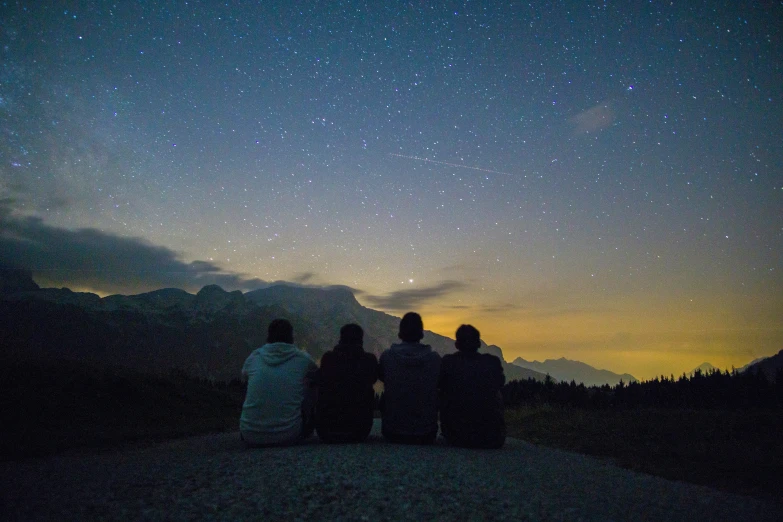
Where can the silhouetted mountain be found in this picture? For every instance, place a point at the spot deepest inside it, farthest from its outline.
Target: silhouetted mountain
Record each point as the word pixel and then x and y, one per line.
pixel 328 309
pixel 14 280
pixel 512 371
pixel 207 335
pixel 751 363
pixel 704 368
pixel 770 366
pixel 566 370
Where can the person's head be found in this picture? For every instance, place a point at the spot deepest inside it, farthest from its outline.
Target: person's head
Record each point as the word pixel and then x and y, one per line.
pixel 468 339
pixel 280 331
pixel 411 328
pixel 351 334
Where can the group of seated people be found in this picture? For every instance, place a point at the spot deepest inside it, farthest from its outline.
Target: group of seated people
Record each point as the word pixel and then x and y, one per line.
pixel 289 396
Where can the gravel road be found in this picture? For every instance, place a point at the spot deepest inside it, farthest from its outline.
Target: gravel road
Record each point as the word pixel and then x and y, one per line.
pixel 214 477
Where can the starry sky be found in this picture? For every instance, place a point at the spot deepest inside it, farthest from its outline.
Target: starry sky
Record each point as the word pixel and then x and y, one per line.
pixel 597 181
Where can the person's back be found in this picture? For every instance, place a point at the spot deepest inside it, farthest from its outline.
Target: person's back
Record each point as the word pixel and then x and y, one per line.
pixel 409 371
pixel 277 398
pixel 471 402
pixel 346 398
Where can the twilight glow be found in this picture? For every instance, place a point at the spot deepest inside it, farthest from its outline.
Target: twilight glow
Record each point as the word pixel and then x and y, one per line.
pixel 589 181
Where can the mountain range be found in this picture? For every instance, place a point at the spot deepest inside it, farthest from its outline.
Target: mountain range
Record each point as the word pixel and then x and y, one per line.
pixel 567 370
pixel 208 334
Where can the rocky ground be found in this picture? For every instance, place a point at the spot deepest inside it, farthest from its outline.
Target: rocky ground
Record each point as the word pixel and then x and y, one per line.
pixel 214 477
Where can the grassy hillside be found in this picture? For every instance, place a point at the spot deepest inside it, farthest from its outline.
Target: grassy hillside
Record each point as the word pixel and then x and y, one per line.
pixel 733 450
pixel 47 407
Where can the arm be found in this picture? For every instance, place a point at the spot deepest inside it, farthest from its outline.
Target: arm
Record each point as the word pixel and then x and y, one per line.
pixel 501 377
pixel 312 374
pixel 246 367
pixel 380 369
pixel 372 369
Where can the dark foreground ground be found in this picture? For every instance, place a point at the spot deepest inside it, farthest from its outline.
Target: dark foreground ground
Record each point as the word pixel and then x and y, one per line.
pixel 736 451
pixel 214 477
pixel 49 408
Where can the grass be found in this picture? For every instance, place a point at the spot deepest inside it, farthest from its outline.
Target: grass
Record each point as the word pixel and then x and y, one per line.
pixel 735 451
pixel 49 407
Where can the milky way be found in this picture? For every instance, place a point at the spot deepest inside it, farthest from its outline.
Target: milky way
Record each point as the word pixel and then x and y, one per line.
pixel 590 181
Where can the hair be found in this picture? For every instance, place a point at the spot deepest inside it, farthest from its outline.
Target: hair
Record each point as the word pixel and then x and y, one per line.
pixel 280 331
pixel 352 334
pixel 411 328
pixel 468 339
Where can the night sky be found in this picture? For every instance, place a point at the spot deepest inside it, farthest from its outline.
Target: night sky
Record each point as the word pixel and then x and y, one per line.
pixel 592 181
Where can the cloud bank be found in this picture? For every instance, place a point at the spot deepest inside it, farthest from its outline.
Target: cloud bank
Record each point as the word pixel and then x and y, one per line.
pixel 410 299
pixel 106 263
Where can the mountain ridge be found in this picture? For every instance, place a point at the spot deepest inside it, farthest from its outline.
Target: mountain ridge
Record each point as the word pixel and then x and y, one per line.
pixel 563 369
pixel 208 334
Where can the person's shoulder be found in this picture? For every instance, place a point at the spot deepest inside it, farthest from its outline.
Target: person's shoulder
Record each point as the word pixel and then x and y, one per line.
pixel 255 354
pixel 434 359
pixel 489 358
pixel 389 351
pixel 304 355
pixel 370 357
pixel 492 360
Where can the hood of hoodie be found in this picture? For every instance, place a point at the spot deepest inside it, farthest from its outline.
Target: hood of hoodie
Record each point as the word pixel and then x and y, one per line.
pixel 274 354
pixel 411 354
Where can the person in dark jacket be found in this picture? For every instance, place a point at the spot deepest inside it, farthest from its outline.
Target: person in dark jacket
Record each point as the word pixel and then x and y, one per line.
pixel 346 398
pixel 409 371
pixel 471 403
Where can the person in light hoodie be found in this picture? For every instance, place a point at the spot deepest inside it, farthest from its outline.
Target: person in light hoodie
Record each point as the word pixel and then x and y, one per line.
pixel 409 371
pixel 280 401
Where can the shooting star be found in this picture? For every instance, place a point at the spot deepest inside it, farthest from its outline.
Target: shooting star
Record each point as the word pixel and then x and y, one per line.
pixel 450 164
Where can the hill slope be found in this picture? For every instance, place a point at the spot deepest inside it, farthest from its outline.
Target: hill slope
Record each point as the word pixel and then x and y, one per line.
pixel 770 366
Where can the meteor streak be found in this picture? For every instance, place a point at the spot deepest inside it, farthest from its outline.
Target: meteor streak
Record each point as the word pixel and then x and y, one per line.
pixel 449 164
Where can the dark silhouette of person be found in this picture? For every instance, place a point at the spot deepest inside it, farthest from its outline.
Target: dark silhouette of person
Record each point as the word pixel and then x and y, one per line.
pixel 471 402
pixel 279 404
pixel 346 398
pixel 409 371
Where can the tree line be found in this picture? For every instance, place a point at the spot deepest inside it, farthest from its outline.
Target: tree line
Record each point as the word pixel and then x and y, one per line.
pixel 712 390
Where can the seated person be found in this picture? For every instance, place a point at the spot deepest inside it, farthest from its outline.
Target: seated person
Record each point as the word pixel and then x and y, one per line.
pixel 279 403
pixel 471 403
pixel 409 371
pixel 346 398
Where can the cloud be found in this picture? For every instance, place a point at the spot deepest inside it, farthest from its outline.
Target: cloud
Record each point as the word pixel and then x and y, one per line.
pixel 354 291
pixel 106 263
pixel 411 298
pixel 501 307
pixel 593 119
pixel 303 277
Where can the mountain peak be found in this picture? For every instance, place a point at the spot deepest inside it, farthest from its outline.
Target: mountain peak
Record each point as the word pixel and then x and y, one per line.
pixel 493 350
pixel 14 280
pixel 703 368
pixel 210 291
pixel 301 295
